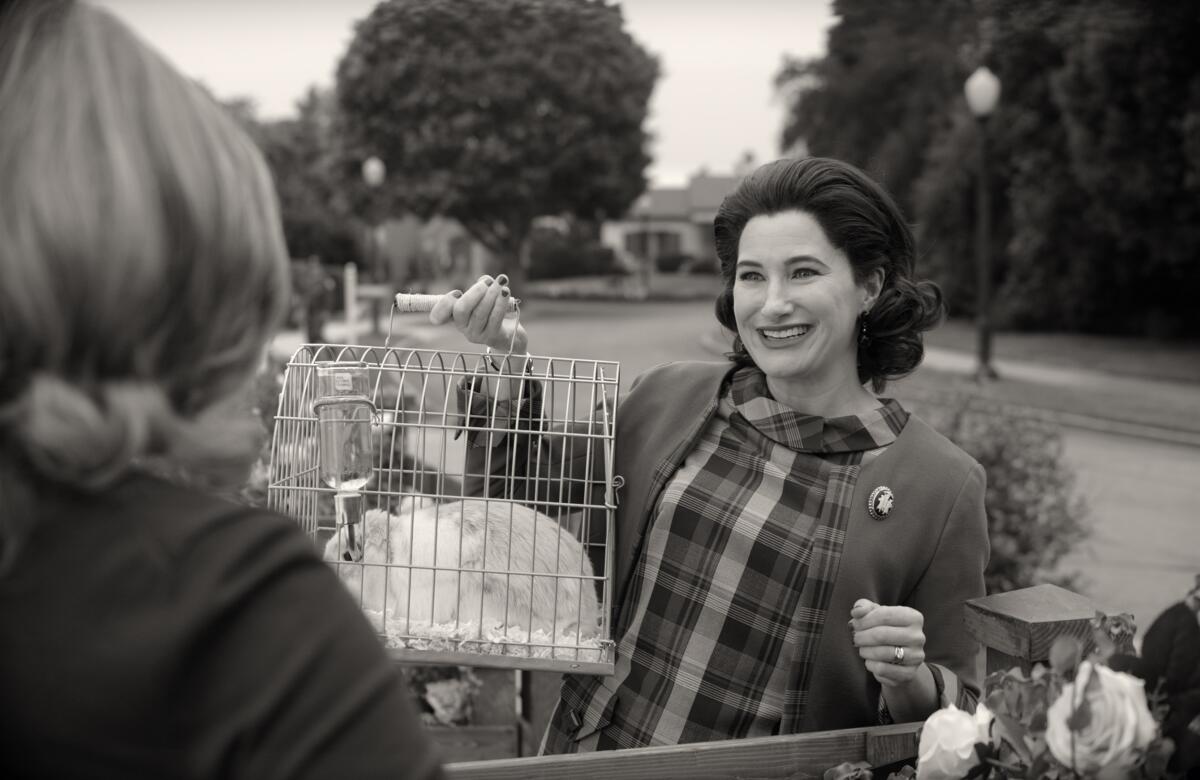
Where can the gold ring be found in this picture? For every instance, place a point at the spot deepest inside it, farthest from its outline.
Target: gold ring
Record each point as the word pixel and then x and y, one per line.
pixel 898 655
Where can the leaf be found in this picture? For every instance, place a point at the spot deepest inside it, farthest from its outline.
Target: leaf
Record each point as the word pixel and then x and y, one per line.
pixel 996 702
pixel 1040 767
pixel 1013 732
pixel 1037 723
pixel 1157 757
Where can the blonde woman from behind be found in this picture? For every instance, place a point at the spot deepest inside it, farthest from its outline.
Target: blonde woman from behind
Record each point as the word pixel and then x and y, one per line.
pixel 148 629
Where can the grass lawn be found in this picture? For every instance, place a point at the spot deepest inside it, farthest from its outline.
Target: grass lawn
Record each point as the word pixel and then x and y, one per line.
pixel 1177 361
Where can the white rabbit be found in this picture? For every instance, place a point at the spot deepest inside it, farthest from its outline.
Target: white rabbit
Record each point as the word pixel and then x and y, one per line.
pixel 515 538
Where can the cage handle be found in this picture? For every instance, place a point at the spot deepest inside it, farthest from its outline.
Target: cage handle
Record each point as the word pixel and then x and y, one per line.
pixel 414 302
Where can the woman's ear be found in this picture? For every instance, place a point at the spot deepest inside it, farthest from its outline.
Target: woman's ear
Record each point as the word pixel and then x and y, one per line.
pixel 872 286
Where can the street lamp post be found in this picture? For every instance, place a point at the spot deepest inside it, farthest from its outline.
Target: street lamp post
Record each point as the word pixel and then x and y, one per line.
pixel 373 173
pixel 642 205
pixel 982 91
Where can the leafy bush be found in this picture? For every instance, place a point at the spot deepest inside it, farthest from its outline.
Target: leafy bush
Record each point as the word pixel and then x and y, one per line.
pixel 1035 516
pixel 556 256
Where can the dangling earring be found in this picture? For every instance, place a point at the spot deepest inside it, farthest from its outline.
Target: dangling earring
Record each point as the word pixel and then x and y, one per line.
pixel 864 338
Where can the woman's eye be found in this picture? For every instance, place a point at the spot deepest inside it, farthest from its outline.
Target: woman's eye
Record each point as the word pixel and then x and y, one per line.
pixel 803 273
pixel 749 276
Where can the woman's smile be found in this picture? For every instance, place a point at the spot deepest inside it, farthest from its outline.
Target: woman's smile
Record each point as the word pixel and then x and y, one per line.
pixel 784 336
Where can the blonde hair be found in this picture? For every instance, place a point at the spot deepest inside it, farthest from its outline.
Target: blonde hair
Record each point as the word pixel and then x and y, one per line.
pixel 141 252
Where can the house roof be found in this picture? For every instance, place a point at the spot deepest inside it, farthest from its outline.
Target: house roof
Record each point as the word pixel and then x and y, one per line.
pixel 666 203
pixel 698 201
pixel 705 191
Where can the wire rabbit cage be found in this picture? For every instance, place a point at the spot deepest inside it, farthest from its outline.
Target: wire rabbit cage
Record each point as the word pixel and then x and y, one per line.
pixel 469 511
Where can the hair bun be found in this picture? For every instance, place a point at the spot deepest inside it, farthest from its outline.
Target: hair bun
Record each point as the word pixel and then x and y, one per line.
pixel 85 438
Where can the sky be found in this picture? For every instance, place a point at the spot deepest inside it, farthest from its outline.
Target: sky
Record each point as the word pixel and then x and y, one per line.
pixel 713 101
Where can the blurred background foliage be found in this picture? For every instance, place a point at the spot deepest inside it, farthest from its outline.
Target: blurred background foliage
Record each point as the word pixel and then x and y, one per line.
pixel 1095 148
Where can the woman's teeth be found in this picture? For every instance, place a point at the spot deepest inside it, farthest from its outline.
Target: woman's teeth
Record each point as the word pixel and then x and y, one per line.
pixel 779 334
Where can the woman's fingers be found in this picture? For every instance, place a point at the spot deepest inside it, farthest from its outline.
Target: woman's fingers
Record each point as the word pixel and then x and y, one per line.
pixel 888 616
pixel 495 324
pixel 913 656
pixel 907 636
pixel 443 310
pixel 471 313
pixel 862 608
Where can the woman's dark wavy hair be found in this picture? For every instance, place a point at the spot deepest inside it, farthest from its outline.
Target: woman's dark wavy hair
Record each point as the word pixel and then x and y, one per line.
pixel 861 219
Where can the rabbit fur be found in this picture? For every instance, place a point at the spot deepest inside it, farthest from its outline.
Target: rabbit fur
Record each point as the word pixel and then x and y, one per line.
pixel 460 531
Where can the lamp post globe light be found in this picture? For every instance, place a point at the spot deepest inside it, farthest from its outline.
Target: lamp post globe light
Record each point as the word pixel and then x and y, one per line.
pixel 982 90
pixel 373 171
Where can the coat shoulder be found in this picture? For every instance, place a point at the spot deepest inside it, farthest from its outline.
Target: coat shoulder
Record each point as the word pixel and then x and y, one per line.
pixel 931 449
pixel 683 374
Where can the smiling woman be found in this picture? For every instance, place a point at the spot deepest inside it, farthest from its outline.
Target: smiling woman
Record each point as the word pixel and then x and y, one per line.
pixel 771 497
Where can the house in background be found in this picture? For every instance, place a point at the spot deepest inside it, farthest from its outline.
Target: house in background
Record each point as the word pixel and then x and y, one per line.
pixel 671 221
pixel 408 253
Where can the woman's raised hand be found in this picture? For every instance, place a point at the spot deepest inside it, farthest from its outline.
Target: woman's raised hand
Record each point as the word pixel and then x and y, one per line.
pixel 481 314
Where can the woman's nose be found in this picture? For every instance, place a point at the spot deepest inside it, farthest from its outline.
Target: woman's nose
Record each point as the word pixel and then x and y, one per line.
pixel 777 302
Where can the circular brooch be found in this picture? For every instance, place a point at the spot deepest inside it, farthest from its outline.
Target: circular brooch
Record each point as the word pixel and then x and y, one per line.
pixel 879 505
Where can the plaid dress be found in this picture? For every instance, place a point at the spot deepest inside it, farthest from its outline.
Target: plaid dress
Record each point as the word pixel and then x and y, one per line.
pixel 727 601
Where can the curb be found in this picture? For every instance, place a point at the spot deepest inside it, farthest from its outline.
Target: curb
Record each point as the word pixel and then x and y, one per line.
pixel 1084 422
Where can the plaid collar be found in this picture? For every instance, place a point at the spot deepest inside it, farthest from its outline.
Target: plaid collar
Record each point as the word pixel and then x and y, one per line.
pixel 809 433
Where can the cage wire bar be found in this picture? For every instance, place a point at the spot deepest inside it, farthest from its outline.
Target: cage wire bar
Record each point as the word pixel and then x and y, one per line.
pixel 490 515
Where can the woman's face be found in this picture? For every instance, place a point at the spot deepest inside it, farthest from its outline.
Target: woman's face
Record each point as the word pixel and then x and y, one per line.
pixel 796 302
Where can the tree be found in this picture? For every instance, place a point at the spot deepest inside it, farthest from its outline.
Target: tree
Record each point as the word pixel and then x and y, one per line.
pixel 1094 154
pixel 493 112
pixel 1128 91
pixel 1098 222
pixel 312 207
pixel 880 93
